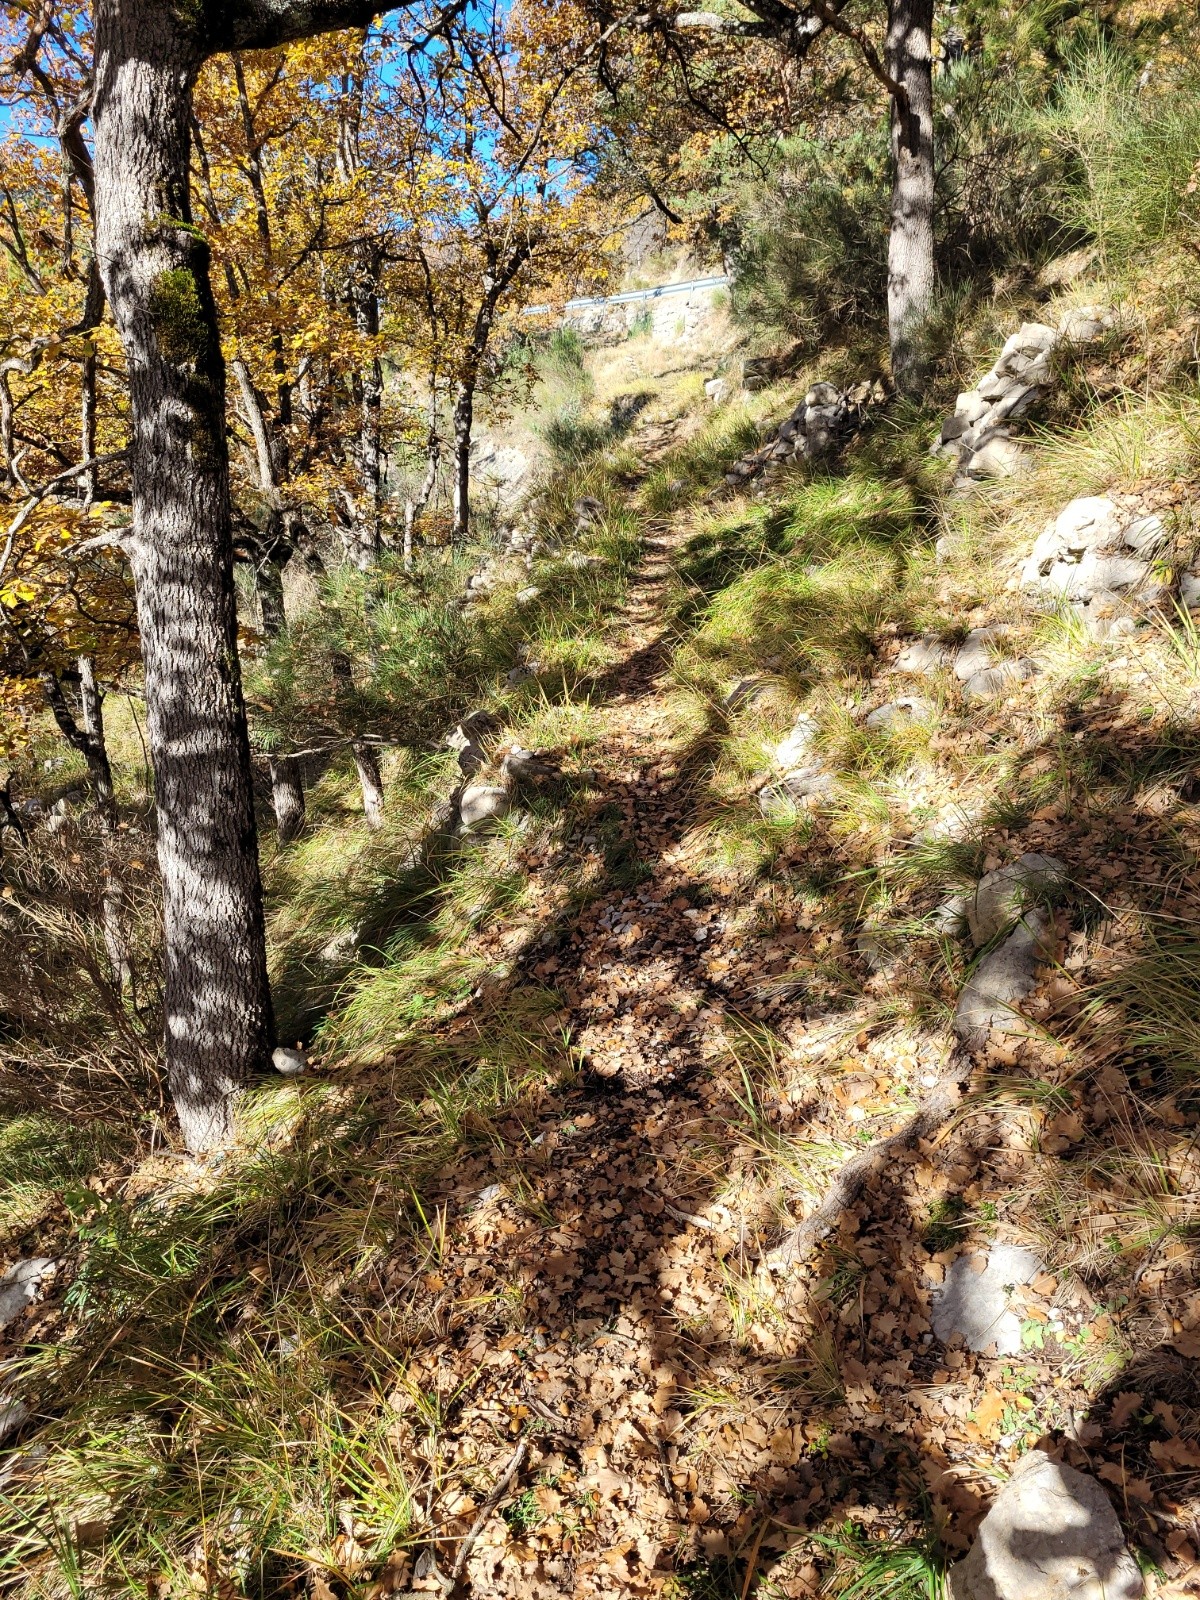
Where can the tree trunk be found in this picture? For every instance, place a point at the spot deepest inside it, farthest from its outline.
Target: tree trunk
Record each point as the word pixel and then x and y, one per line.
pixel 287 797
pixel 287 780
pixel 366 764
pixel 911 273
pixel 92 705
pixel 415 504
pixel 155 265
pixel 89 739
pixel 464 415
pixel 87 428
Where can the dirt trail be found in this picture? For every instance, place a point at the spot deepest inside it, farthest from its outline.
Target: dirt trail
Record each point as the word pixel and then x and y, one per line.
pixel 590 1274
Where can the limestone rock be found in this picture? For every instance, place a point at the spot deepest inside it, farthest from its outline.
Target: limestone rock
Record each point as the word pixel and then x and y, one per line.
pixel 526 596
pixel 466 740
pixel 1145 534
pixel 1086 323
pixel 1051 1534
pixel 14 1414
pixel 950 918
pixel 588 511
pixel 976 652
pixel 793 789
pixel 1090 550
pixel 1001 896
pixel 1031 339
pixel 482 803
pixel 993 681
pixel 999 456
pixel 823 394
pixel 289 1063
pixel 717 390
pixel 1189 589
pixel 923 656
pixel 580 561
pixel 791 750
pixel 974 1300
pixel 1002 979
pixel 341 947
pixel 20 1285
pixel 970 407
pixel 909 708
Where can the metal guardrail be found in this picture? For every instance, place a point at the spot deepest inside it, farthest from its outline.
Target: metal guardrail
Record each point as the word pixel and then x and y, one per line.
pixel 718 280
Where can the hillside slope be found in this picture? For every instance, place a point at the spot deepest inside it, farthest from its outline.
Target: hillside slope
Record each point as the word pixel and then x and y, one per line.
pixel 689 1093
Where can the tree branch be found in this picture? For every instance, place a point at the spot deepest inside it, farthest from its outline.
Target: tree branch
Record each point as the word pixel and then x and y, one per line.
pixel 263 24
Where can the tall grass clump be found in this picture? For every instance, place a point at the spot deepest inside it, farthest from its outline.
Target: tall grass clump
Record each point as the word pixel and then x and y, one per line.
pixel 1132 143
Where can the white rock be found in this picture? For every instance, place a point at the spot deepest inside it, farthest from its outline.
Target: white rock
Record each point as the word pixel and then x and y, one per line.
pixel 717 390
pixel 789 753
pixel 1189 589
pixel 482 803
pixel 970 407
pixel 974 1300
pixel 823 394
pixel 950 918
pixel 341 947
pixel 1001 896
pixel 1002 979
pixel 993 681
pixel 1085 323
pixel 1031 339
pixel 291 1063
pixel 898 713
pixel 794 789
pixel 1145 534
pixel 20 1285
pixel 1018 400
pixel 923 656
pixel 526 596
pixel 1090 522
pixel 14 1414
pixel 1051 1534
pixel 998 457
pixel 995 384
pixel 1099 570
pixel 976 652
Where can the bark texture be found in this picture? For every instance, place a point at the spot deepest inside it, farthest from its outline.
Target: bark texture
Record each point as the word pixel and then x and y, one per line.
pixel 155 266
pixel 911 274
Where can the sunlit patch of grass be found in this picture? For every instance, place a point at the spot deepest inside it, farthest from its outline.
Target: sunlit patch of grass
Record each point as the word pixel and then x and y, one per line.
pixel 40 1154
pixel 796 620
pixel 702 461
pixel 869 1567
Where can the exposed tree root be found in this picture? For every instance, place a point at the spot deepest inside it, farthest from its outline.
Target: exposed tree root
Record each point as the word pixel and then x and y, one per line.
pixel 798 1244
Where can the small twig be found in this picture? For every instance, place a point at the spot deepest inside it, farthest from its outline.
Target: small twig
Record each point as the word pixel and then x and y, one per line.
pixel 499 1490
pixel 690 1216
pixel 36 496
pixel 664 1464
pixel 796 1246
